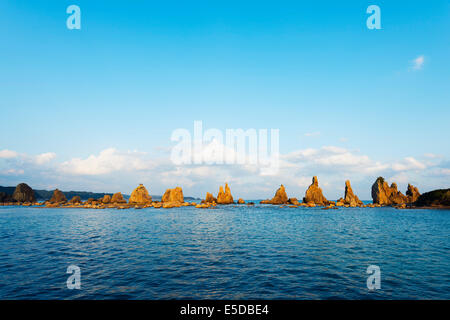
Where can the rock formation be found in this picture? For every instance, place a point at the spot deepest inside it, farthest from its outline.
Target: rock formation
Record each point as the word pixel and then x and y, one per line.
pixel 75 200
pixel 241 201
pixel 294 201
pixel 412 193
pixel 314 194
pixel 224 197
pixel 280 197
pixel 118 198
pixel 397 197
pixel 382 194
pixel 209 198
pixel 140 195
pixel 173 195
pixel 106 199
pixel 58 197
pixel 23 193
pixel 350 198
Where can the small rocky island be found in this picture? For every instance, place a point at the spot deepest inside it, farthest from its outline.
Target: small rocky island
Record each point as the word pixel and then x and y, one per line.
pixel 383 194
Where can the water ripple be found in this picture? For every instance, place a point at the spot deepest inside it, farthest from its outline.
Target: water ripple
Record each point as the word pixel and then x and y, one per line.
pixel 234 252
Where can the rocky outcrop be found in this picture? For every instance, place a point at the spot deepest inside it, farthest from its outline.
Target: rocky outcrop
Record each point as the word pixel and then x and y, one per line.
pixel 106 199
pixel 173 198
pixel 140 195
pixel 209 198
pixel 241 201
pixel 412 193
pixel 173 195
pixel 75 200
pixel 314 194
pixel 224 197
pixel 280 197
pixel 293 201
pixel 117 198
pixel 90 200
pixel 58 197
pixel 382 194
pixel 350 198
pixel 397 197
pixel 23 193
pixel 436 198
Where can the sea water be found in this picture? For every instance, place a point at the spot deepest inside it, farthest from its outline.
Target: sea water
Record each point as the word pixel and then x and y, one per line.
pixel 230 252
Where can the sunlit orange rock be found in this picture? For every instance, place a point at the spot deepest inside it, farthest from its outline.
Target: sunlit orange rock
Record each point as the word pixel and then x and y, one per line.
pixel 280 197
pixel 350 198
pixel 75 200
pixel 58 197
pixel 314 194
pixel 106 199
pixel 140 195
pixel 382 194
pixel 412 193
pixel 209 198
pixel 224 197
pixel 117 198
pixel 173 195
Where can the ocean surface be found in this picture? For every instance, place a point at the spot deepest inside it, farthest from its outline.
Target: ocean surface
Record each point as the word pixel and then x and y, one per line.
pixel 232 252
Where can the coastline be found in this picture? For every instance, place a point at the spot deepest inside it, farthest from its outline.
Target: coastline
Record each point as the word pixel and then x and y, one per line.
pixel 382 194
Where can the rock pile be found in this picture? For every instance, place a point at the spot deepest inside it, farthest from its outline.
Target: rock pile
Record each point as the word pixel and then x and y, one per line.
pixel 140 196
pixel 117 198
pixel 23 193
pixel 224 197
pixel 314 194
pixel 382 194
pixel 280 197
pixel 173 195
pixel 58 197
pixel 173 198
pixel 209 198
pixel 75 200
pixel 350 199
pixel 412 193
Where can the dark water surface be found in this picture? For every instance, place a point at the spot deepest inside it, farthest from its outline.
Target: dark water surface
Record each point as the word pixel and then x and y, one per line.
pixel 233 252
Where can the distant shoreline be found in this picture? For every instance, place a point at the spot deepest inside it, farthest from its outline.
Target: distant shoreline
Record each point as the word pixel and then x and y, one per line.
pixel 383 195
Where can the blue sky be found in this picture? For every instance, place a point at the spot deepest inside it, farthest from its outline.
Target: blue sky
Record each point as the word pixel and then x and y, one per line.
pixel 137 70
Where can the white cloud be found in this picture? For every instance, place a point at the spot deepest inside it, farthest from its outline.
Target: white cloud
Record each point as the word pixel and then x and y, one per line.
pixel 114 170
pixel 44 157
pixel 108 160
pixel 312 134
pixel 400 177
pixel 331 156
pixel 8 154
pixel 418 62
pixel 408 163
